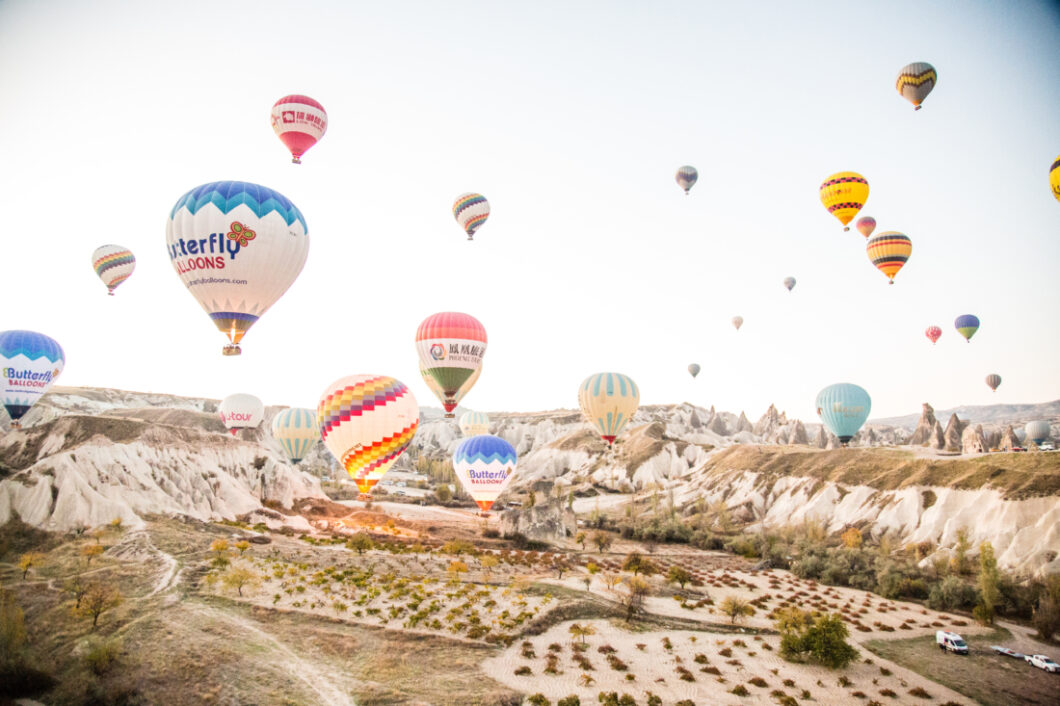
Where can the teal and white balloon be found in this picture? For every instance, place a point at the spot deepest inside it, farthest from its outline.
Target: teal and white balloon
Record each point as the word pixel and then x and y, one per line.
pixel 474 424
pixel 608 401
pixel 29 362
pixel 297 430
pixel 843 408
pixel 1038 431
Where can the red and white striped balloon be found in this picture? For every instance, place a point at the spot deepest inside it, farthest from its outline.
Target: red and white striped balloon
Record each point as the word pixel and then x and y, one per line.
pixel 300 122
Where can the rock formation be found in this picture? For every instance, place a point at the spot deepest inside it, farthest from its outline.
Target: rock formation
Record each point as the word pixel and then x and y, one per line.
pixel 798 434
pixel 717 424
pixel 954 430
pixel 744 424
pixel 973 441
pixel 821 440
pixel 545 522
pixel 694 421
pixel 769 423
pixel 924 434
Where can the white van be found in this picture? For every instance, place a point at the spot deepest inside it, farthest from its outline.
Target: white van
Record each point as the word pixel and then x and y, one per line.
pixel 951 641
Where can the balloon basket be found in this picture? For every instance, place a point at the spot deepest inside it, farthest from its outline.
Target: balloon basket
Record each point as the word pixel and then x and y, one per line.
pixel 15 424
pixel 917 108
pixel 365 497
pixel 231 349
pixel 470 238
pixel 450 415
pixel 110 292
pixel 295 160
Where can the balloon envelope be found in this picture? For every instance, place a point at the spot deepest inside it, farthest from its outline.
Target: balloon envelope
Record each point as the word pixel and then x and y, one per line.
pixel 297 430
pixel 737 321
pixel 694 369
pixel 471 211
pixel 843 408
pixel 844 194
pixel 1038 431
pixel 686 178
pixel 113 264
pixel 608 401
pixel 915 82
pixel 451 346
pixel 967 325
pixel 367 422
pixel 241 411
pixel 993 380
pixel 865 225
pixel 474 424
pixel 29 362
pixel 237 247
pixel 933 333
pixel 1054 178
pixel 889 251
pixel 299 122
pixel 789 282
pixel 484 465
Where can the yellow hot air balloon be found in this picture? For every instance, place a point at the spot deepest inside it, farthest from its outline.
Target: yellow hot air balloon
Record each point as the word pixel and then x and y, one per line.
pixel 1054 178
pixel 608 401
pixel 844 194
pixel 889 251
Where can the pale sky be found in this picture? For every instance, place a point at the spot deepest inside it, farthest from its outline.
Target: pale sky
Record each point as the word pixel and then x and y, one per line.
pixel 571 117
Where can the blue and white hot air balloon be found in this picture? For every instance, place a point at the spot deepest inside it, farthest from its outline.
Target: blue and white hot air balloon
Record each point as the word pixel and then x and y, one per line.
pixel 843 408
pixel 29 362
pixel 297 430
pixel 237 247
pixel 485 465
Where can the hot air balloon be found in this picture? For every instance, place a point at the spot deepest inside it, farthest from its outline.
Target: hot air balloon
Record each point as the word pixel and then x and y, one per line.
pixel 297 430
pixel 865 225
pixel 993 380
pixel 933 332
pixel 29 362
pixel 889 251
pixel 608 401
pixel 694 369
pixel 450 346
pixel 967 325
pixel 438 392
pixel 113 264
pixel 789 282
pixel 237 247
pixel 1038 431
pixel 241 411
pixel 300 122
pixel 843 408
pixel 915 82
pixel 367 422
pixel 686 178
pixel 484 465
pixel 471 211
pixel 474 424
pixel 737 321
pixel 844 194
pixel 1054 178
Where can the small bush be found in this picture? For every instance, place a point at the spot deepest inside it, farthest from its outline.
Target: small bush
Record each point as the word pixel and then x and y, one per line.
pixel 571 700
pixel 740 690
pixel 757 681
pixel 888 693
pixel 920 693
pixel 523 671
pixel 539 700
pixel 101 655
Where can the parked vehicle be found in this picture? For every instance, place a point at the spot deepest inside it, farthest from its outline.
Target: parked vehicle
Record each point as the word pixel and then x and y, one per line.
pixel 1018 448
pixel 951 641
pixel 1043 662
pixel 1007 652
pixel 1047 446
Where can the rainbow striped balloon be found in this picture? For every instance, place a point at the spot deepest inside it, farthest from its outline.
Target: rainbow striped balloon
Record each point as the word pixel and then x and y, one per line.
pixel 608 401
pixel 915 82
pixel 889 251
pixel 113 264
pixel 297 430
pixel 844 194
pixel 471 211
pixel 367 422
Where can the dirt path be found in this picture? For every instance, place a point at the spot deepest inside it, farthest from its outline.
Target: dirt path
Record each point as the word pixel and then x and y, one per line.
pixel 317 678
pixel 1023 640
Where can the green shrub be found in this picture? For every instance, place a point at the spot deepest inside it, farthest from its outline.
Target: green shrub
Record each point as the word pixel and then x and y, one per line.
pixel 571 700
pixel 538 700
pixel 952 594
pixel 101 655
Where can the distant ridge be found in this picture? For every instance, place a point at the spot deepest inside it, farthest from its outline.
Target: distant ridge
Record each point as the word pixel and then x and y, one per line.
pixel 982 414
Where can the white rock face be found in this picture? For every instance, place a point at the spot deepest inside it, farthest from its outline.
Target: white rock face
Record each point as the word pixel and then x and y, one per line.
pixel 148 469
pixel 1025 534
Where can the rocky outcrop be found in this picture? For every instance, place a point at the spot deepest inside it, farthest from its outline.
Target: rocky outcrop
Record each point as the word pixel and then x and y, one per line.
pixel 952 435
pixel 769 423
pixel 1009 440
pixel 694 420
pixel 821 440
pixel 924 434
pixel 973 441
pixel 798 434
pixel 744 424
pixel 717 424
pixel 546 522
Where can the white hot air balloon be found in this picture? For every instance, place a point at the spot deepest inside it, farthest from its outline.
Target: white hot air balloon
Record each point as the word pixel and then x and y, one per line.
pixel 237 247
pixel 113 264
pixel 241 411
pixel 737 322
